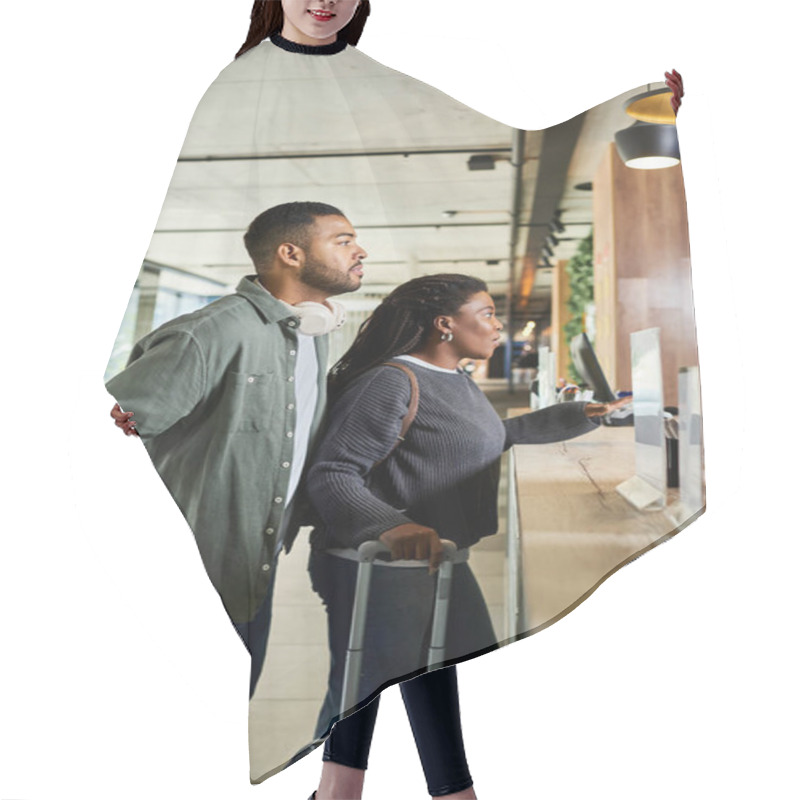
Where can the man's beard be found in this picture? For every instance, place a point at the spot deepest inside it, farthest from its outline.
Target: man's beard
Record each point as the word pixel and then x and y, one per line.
pixel 317 275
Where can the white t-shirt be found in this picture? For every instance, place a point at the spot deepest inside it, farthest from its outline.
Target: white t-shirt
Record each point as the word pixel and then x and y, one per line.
pixel 306 393
pixel 421 363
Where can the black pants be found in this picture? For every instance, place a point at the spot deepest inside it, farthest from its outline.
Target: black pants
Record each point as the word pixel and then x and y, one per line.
pixel 255 633
pixel 431 702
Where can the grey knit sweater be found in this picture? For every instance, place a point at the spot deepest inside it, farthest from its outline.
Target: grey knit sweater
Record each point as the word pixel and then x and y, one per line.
pixel 443 475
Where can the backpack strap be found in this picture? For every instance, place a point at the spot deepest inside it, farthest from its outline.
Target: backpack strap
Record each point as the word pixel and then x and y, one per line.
pixel 413 403
pixel 412 406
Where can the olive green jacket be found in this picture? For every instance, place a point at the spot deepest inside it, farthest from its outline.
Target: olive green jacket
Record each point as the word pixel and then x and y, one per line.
pixel 213 398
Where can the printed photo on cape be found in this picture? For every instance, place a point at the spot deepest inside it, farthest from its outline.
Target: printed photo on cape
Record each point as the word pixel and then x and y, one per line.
pixel 429 186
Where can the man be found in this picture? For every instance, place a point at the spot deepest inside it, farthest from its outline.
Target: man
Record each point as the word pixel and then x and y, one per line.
pixel 228 401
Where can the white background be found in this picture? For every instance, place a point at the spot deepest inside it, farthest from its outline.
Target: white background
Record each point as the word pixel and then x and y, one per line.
pixel 121 676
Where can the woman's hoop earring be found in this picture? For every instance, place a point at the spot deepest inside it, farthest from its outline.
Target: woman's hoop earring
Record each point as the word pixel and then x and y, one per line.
pixel 447 337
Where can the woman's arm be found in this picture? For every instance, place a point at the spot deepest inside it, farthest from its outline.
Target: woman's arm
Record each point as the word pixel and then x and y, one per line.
pixel 555 423
pixel 559 422
pixel 363 426
pixel 674 81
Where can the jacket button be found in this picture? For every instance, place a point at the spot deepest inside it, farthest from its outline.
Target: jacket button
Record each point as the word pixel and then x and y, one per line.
pixel 291 379
pixel 278 500
pixel 289 434
pixel 269 531
pixel 285 465
pixel 265 567
pixel 290 406
pixel 251 379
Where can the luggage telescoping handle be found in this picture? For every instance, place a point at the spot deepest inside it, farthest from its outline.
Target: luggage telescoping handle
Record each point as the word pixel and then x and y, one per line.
pixel 367 553
pixel 441 605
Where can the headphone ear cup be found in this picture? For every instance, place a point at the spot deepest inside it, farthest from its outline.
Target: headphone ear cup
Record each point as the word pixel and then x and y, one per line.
pixel 317 319
pixel 339 314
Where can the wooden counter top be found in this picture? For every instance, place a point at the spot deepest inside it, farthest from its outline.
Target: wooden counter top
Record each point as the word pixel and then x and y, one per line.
pixel 572 528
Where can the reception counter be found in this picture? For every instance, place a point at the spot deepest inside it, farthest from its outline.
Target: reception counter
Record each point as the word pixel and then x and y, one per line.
pixel 568 527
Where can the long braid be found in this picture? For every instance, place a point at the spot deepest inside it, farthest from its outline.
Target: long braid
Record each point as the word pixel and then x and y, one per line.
pixel 266 19
pixel 401 322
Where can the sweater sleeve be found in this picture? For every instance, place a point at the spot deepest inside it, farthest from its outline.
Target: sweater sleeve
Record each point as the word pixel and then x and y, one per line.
pixel 162 383
pixel 363 427
pixel 556 423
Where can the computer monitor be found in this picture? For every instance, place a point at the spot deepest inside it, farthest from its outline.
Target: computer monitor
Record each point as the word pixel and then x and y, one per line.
pixel 588 367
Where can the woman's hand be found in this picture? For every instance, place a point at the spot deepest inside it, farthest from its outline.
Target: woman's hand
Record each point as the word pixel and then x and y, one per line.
pixel 124 420
pixel 601 409
pixel 415 542
pixel 675 82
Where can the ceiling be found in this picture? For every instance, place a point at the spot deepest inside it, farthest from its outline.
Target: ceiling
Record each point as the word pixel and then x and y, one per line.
pixel 393 154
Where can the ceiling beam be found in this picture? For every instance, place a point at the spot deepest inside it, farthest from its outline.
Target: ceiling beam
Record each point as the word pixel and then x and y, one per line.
pixel 387 227
pixel 405 152
pixel 558 145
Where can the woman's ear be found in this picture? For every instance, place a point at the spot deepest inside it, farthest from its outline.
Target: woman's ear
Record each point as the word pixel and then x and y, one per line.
pixel 443 325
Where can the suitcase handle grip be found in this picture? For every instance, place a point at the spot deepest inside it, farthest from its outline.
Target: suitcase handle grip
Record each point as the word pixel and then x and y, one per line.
pixel 369 551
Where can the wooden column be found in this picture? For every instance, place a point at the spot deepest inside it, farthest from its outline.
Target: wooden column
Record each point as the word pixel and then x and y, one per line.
pixel 642 268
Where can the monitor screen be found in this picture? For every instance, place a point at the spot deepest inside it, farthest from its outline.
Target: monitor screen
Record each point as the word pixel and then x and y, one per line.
pixel 588 367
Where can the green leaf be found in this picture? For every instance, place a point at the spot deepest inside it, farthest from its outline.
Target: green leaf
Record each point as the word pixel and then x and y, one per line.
pixel 580 270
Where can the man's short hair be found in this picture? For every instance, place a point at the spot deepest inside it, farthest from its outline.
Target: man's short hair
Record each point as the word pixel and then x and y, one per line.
pixel 288 222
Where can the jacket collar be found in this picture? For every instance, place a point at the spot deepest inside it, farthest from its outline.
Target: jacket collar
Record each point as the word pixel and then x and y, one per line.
pixel 268 306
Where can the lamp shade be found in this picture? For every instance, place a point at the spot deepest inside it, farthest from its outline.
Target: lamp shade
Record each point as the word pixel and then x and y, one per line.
pixel 653 106
pixel 648 146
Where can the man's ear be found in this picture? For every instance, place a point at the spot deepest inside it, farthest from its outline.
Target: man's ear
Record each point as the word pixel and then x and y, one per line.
pixel 291 255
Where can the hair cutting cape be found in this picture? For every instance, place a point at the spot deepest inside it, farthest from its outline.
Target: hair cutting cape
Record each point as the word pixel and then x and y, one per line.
pixel 433 186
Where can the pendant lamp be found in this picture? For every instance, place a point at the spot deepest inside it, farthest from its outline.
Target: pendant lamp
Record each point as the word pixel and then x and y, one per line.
pixel 652 141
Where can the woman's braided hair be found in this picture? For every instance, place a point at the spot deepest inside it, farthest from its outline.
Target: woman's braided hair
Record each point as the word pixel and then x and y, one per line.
pixel 401 323
pixel 266 19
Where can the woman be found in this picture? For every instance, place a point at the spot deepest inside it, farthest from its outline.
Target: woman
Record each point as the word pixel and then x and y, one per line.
pixel 440 481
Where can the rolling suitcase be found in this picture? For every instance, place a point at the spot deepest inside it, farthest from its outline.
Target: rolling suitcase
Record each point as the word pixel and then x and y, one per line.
pixel 367 553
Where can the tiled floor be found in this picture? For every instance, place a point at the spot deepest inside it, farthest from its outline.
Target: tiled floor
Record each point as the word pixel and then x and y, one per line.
pixel 284 708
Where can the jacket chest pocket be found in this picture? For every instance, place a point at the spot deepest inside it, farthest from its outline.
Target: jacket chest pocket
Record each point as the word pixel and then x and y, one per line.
pixel 252 399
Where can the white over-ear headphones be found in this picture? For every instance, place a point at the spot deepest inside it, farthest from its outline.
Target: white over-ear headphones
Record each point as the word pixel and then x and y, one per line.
pixel 317 319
